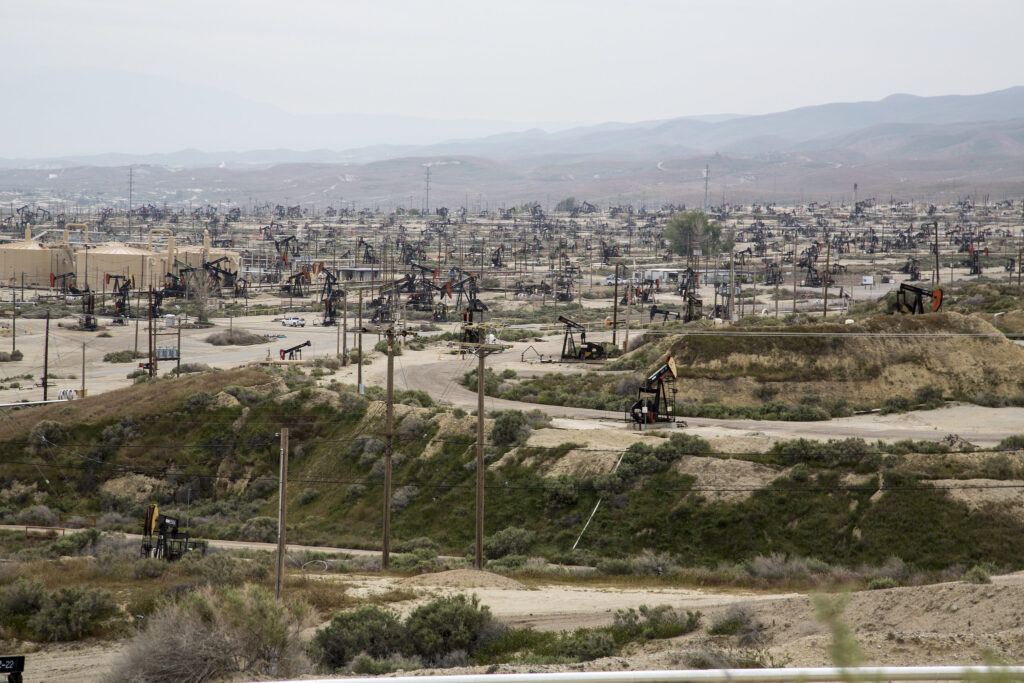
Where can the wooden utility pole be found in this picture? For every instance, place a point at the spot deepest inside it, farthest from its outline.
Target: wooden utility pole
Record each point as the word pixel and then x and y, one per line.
pixel 732 285
pixel 794 271
pixel 825 277
pixel 778 277
pixel 83 371
pixel 344 329
pixel 478 556
pixel 282 508
pixel 46 357
pixel 615 307
pixel 177 367
pixel 359 337
pixel 388 446
pixel 14 326
pixel 151 334
pixel 936 253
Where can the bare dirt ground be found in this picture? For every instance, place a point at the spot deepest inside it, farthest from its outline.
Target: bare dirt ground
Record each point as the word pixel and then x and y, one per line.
pixel 951 623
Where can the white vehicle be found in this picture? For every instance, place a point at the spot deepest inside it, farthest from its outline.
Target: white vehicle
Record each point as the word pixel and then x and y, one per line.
pixel 293 321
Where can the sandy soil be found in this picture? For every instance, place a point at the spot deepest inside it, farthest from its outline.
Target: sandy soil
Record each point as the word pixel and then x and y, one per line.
pixel 952 623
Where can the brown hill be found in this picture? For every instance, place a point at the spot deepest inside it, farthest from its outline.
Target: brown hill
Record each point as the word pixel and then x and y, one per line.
pixel 864 363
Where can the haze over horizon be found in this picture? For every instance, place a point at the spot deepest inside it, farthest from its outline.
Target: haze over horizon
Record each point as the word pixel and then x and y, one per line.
pixel 410 73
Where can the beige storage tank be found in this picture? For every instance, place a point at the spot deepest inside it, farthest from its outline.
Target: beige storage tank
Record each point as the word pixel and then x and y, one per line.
pixel 115 258
pixel 33 262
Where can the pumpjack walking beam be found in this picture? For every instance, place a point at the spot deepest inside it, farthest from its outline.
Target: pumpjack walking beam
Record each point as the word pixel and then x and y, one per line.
pixel 910 299
pixel 652 400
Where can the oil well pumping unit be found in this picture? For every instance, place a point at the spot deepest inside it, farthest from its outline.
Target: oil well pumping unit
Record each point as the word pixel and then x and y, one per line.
pixel 161 538
pixel 910 299
pixel 586 350
pixel 653 403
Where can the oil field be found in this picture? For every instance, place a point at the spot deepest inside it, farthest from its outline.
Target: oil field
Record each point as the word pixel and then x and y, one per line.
pixel 314 366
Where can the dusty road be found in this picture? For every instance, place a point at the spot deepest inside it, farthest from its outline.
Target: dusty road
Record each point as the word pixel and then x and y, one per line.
pixel 437 372
pixel 950 623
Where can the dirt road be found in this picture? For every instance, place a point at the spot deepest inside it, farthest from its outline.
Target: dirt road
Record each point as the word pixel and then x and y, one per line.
pixel 951 623
pixel 438 373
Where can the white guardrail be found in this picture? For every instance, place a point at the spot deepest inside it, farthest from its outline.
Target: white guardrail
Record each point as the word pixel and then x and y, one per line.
pixel 877 673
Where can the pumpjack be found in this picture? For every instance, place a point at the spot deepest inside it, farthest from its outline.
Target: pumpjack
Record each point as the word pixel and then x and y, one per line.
pixel 66 283
pixel 910 299
pixel 586 350
pixel 88 319
pixel 330 296
pixel 652 398
pixel 297 282
pixel 295 352
pixel 161 538
pixel 174 285
pixel 122 291
pixel 664 313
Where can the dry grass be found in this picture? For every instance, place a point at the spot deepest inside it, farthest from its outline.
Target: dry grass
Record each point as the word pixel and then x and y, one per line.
pixel 235 337
pixel 137 401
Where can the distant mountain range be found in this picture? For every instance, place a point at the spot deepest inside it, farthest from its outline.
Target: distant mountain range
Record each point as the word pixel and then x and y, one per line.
pixel 935 146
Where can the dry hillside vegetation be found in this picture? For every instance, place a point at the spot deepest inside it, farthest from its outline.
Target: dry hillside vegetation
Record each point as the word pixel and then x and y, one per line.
pixel 863 370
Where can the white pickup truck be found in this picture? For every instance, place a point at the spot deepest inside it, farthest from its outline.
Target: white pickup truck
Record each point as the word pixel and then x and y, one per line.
pixel 293 321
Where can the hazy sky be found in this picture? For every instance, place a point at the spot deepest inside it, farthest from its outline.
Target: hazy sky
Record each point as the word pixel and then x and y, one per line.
pixel 534 60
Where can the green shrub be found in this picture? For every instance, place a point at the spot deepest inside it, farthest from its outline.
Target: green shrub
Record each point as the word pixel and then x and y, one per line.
pixel 368 629
pixel 225 634
pixel 510 426
pixel 420 560
pixel 584 645
pixel 561 490
pixel 382 347
pixel 739 621
pixel 236 336
pixel 1012 443
pixel 881 583
pixel 447 624
pixel 219 570
pixel 615 566
pixel 262 529
pixel 125 356
pixel 419 543
pixel 977 574
pixel 148 568
pixel 651 623
pixel 509 541
pixel 22 598
pixel 71 614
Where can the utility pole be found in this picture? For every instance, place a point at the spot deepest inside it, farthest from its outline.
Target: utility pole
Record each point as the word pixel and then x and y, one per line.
pixel 732 285
pixel 14 326
pixel 707 179
pixel 150 334
pixel 388 448
pixel 478 557
pixel 936 253
pixel 136 336
pixel 828 254
pixel 390 335
pixel 46 357
pixel 344 329
pixel 615 307
pixel 482 350
pixel 282 507
pixel 130 188
pixel 83 371
pixel 177 367
pixel 359 337
pixel 426 210
pixel 794 271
